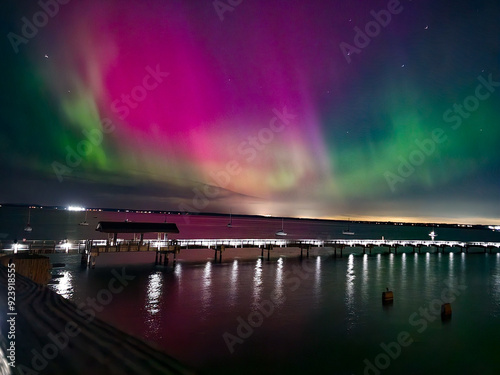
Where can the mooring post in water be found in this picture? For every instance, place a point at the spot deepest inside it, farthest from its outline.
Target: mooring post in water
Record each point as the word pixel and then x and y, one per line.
pixel 165 259
pixel 308 248
pixel 156 258
pixel 262 252
pixel 269 248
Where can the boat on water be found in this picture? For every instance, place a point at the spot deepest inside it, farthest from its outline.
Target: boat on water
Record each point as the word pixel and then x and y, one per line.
pixel 84 222
pixel 347 231
pixel 281 232
pixel 28 227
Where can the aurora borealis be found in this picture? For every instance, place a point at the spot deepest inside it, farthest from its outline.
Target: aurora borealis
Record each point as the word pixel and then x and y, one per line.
pixel 253 106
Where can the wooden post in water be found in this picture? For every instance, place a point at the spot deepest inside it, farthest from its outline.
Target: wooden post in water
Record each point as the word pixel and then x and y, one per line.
pixel 308 248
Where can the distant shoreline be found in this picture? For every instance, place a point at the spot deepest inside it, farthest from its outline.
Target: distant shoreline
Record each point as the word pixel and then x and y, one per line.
pixel 235 215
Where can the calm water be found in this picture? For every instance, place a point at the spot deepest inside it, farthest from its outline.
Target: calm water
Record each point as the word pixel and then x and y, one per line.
pixel 319 315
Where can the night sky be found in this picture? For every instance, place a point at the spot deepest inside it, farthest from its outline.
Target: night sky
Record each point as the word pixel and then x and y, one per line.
pixel 326 109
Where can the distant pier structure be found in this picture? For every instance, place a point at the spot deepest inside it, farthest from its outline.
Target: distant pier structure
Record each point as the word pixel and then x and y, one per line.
pixel 90 248
pixel 162 246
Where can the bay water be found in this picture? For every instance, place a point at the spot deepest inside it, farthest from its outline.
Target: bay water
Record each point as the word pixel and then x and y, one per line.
pixel 289 315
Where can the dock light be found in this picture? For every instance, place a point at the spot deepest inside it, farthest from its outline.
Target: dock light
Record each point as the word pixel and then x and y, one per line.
pixel 66 246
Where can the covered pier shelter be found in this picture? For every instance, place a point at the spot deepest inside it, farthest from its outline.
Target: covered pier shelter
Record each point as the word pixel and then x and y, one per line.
pixel 114 245
pixel 116 227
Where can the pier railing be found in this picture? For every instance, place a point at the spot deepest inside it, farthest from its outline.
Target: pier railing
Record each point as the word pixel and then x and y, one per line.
pixel 121 245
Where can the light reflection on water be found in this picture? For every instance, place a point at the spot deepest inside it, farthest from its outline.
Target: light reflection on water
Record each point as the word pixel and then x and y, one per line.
pixel 257 284
pixel 355 322
pixel 416 273
pixel 365 280
pixel 391 269
pixel 403 271
pixel 495 281
pixel 206 290
pixel 349 293
pixel 65 285
pixel 379 262
pixel 233 284
pixel 317 280
pixel 427 270
pixel 153 302
pixel 451 268
pixel 155 286
pixel 279 295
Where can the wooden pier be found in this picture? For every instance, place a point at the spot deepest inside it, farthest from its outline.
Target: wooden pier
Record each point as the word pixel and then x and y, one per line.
pixel 164 248
pixel 167 251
